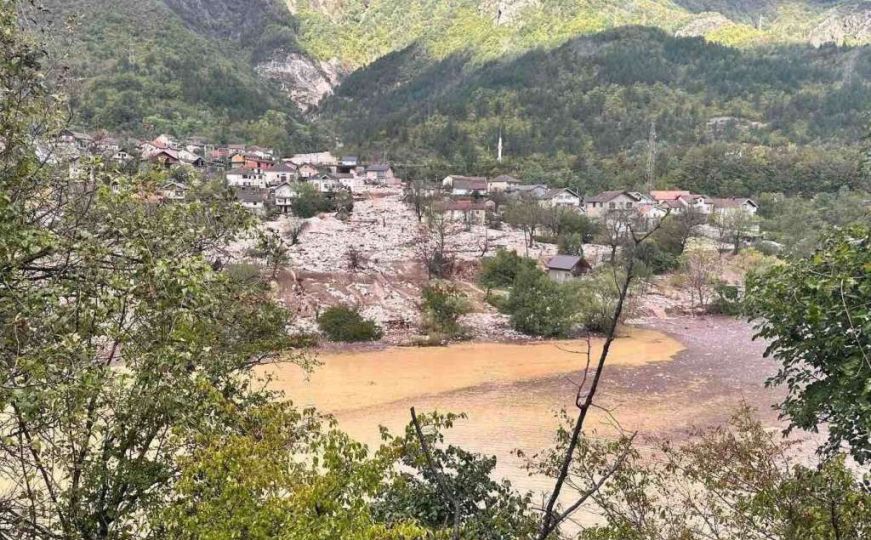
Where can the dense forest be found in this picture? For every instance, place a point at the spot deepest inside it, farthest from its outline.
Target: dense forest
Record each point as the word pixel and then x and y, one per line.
pixel 727 121
pixel 360 31
pixel 180 67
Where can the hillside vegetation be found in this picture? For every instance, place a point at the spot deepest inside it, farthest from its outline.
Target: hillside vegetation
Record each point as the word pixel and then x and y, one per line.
pixel 360 31
pixel 180 66
pixel 728 121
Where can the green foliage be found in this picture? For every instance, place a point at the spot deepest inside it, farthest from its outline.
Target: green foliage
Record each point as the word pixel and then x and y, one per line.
pixel 595 298
pixel 359 31
pixel 734 481
pixel 726 301
pixel 343 323
pixel 538 306
pixel 500 270
pixel 578 115
pixel 309 202
pixel 488 510
pixel 800 223
pixel 820 336
pixel 176 67
pixel 443 304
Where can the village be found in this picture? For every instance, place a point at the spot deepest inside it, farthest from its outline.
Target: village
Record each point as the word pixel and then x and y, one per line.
pixel 365 244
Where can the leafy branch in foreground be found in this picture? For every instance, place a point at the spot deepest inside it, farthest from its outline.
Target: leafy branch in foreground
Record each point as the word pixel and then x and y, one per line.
pixel 816 313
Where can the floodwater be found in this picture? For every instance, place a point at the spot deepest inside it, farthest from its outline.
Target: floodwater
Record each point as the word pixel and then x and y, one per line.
pixel 659 381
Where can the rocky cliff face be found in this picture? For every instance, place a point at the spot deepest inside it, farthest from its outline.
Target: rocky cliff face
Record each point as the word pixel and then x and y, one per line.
pixel 844 26
pixel 306 81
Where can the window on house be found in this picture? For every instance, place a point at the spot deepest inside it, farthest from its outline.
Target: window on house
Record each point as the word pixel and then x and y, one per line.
pixel 612 205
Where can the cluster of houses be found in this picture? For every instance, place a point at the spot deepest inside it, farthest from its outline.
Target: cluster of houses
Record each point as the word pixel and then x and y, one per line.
pixel 258 177
pixel 469 199
pixel 260 184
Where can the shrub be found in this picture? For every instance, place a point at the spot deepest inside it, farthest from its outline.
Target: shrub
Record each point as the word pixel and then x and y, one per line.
pixel 343 323
pixel 595 299
pixel 726 301
pixel 499 271
pixel 538 306
pixel 655 258
pixel 442 306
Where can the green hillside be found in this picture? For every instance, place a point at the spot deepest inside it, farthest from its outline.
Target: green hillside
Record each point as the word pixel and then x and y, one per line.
pixel 737 121
pixel 149 66
pixel 360 31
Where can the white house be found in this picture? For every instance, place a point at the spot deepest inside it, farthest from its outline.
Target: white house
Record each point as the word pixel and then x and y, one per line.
pixel 285 172
pixel 253 198
pixel 734 204
pixel 382 174
pixel 465 185
pixel 561 197
pixel 245 177
pixel 283 196
pixel 324 183
pixel 606 201
pixel 350 181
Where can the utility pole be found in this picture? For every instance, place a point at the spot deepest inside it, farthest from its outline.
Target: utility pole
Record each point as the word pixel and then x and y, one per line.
pixel 651 158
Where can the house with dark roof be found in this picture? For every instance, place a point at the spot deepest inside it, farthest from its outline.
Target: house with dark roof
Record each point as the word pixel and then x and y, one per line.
pixel 173 191
pixel 381 173
pixel 253 198
pixel 562 268
pixel 283 196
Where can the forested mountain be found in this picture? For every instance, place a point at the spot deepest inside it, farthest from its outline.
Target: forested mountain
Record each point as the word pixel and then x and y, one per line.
pixel 756 104
pixel 178 66
pixel 360 31
pixel 727 120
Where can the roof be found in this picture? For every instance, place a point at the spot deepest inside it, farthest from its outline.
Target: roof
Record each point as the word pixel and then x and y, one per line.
pixel 252 195
pixel 240 171
pixel 731 202
pixel 473 183
pixel 669 195
pixel 566 262
pixel 674 204
pixel 506 178
pixel 171 153
pixel 551 193
pixel 529 187
pixel 607 196
pixel 284 167
pixel 378 167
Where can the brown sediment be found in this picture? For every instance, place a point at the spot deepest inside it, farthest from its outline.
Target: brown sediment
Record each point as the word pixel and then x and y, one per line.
pixel 350 381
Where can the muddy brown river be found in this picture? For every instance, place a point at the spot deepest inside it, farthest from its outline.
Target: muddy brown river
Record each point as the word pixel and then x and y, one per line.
pixel 660 380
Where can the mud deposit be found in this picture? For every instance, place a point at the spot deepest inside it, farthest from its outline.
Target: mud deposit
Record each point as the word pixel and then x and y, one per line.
pixel 660 380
